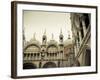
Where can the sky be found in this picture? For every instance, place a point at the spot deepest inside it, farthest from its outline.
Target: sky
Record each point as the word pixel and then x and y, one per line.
pixel 52 22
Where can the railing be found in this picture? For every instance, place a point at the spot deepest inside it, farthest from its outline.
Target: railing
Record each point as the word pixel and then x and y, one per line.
pixel 44 56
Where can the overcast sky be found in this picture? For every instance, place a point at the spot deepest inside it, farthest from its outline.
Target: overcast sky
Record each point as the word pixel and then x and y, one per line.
pixel 39 21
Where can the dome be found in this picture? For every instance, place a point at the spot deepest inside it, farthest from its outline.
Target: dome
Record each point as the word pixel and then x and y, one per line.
pixel 52 46
pixel 52 42
pixel 32 48
pixel 68 42
pixel 33 41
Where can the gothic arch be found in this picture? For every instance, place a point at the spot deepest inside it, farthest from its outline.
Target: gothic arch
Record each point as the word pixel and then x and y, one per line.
pixel 49 65
pixel 29 66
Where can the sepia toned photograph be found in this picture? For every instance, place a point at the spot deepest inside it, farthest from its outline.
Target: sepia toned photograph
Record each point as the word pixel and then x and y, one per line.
pixel 53 39
pixel 56 39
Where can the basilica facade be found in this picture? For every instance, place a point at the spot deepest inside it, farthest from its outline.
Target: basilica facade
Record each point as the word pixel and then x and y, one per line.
pixel 48 54
pixel 75 51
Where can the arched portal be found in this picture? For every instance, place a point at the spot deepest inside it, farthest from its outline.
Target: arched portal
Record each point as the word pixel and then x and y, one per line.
pixel 49 65
pixel 29 66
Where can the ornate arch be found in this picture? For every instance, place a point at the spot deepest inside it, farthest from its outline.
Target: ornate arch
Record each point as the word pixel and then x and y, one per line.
pixel 32 45
pixel 52 45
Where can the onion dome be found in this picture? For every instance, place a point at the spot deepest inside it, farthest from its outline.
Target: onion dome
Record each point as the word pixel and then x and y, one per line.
pixel 52 46
pixel 33 41
pixel 52 41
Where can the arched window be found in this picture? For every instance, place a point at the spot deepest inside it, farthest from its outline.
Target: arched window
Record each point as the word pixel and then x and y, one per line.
pixel 29 66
